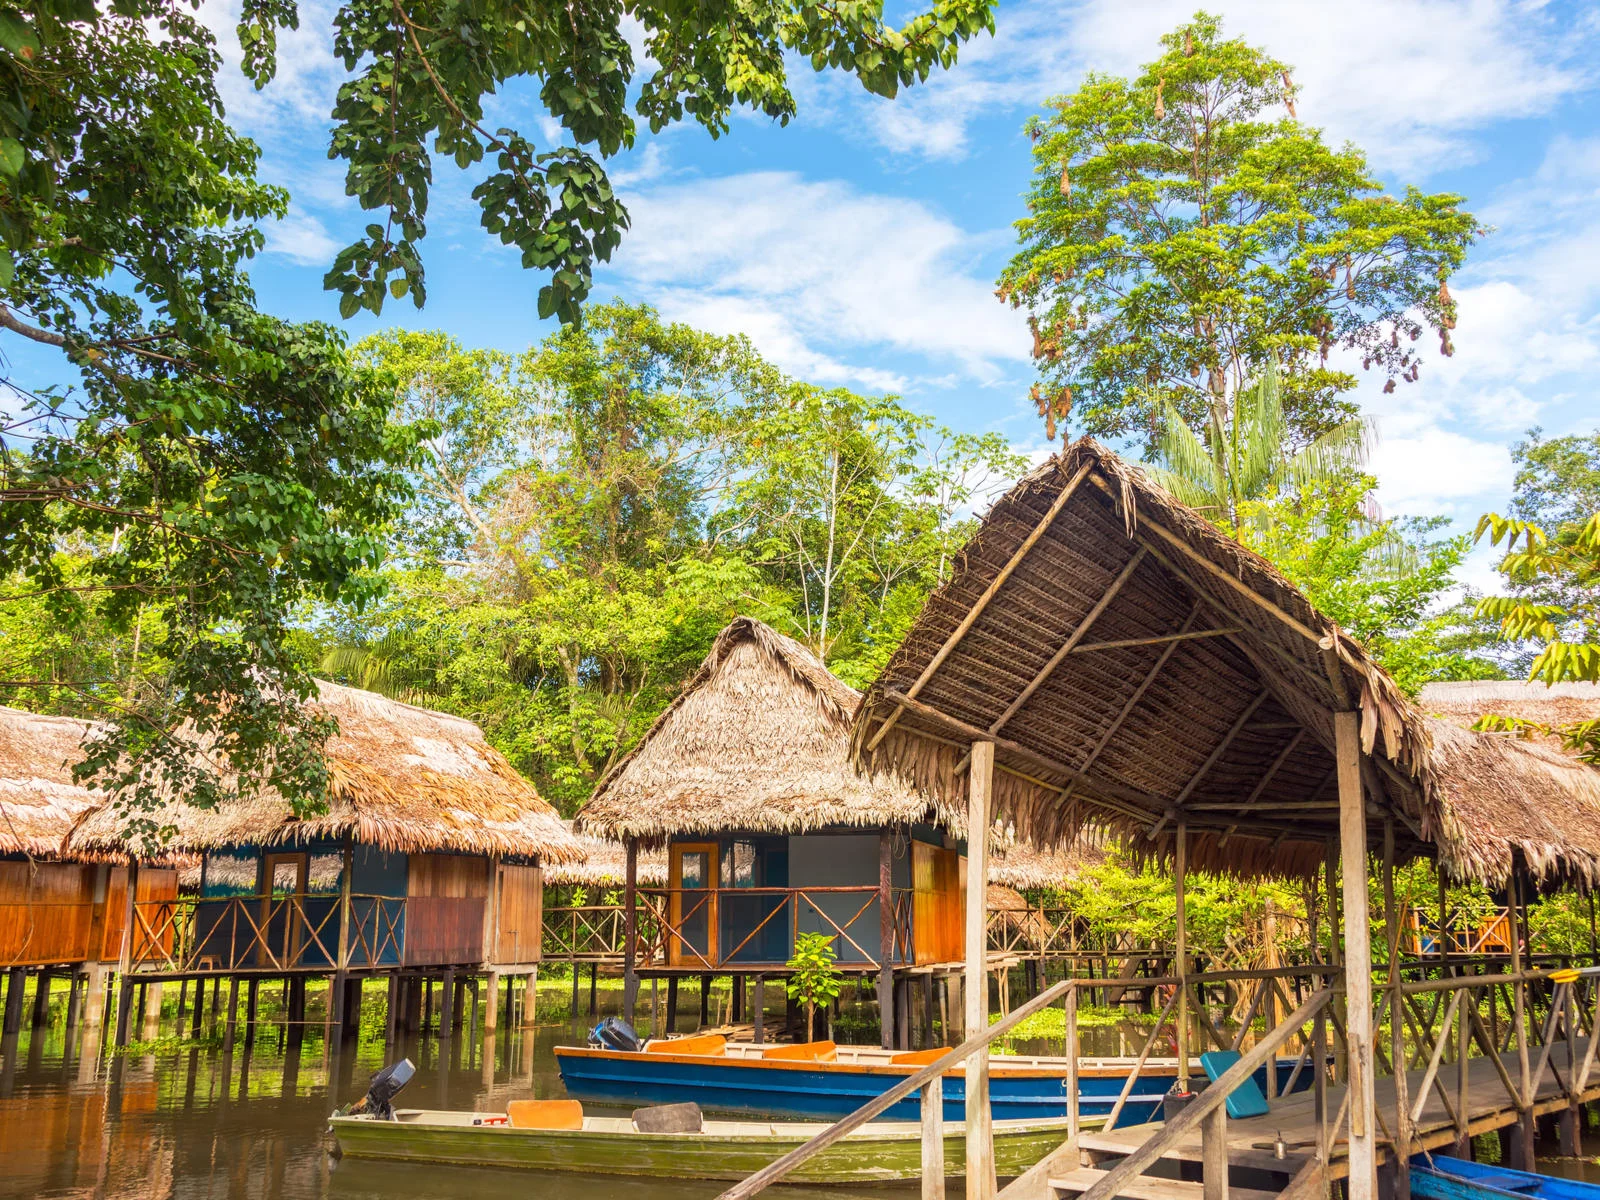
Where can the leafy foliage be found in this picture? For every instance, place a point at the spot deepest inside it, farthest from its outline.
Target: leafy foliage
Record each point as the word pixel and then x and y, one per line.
pixel 1184 225
pixel 813 977
pixel 423 70
pixel 213 466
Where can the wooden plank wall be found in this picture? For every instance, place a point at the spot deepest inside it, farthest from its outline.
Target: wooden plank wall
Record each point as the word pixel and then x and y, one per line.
pixel 936 932
pixel 46 910
pixel 155 883
pixel 446 895
pixel 448 875
pixel 521 915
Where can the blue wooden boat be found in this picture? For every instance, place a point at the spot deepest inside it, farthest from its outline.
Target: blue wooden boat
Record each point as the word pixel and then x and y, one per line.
pixel 800 1082
pixel 1441 1178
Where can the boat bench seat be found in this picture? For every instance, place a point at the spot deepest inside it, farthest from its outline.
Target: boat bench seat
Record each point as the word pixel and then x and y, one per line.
pixel 919 1058
pixel 545 1114
pixel 706 1045
pixel 804 1052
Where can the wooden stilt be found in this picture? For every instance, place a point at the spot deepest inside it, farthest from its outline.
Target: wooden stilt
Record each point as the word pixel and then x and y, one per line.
pixel 1522 1150
pixel 594 986
pixel 705 1001
pixel 672 1006
pixel 885 937
pixel 630 894
pixel 43 982
pixel 232 1015
pixel 250 1005
pixel 980 1145
pixel 74 1003
pixel 491 1009
pixel 1401 1165
pixel 933 1140
pixel 758 1006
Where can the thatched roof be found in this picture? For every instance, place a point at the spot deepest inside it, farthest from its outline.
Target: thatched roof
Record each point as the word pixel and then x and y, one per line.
pixel 606 865
pixel 39 800
pixel 1015 864
pixel 1135 667
pixel 402 778
pixel 757 742
pixel 1462 703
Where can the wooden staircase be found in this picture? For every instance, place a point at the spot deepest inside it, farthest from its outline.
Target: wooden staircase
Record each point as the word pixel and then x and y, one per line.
pixel 1178 1175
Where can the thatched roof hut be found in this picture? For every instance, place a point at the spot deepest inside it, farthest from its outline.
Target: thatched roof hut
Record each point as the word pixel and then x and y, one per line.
pixel 39 800
pixel 605 865
pixel 757 742
pixel 402 778
pixel 1462 703
pixel 1020 866
pixel 1136 668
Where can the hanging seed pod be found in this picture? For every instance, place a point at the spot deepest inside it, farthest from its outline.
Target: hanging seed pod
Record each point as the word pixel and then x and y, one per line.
pixel 1161 108
pixel 1394 339
pixel 1388 388
pixel 1194 370
pixel 1349 281
pixel 1038 342
pixel 1066 180
pixel 1188 43
pixel 1288 95
pixel 1446 346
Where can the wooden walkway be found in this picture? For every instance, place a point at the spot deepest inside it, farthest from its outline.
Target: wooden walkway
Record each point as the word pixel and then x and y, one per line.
pixel 1293 1119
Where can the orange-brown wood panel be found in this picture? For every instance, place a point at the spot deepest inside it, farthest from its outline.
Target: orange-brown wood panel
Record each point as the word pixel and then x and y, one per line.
pixel 155 884
pixel 45 913
pixel 448 875
pixel 521 915
pixel 936 934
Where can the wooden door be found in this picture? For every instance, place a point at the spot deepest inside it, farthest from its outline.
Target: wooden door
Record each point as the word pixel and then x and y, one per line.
pixel 692 868
pixel 936 931
pixel 519 915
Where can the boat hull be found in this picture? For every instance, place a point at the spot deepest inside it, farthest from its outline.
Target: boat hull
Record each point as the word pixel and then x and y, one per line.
pixel 876 1154
pixel 833 1090
pixel 1461 1179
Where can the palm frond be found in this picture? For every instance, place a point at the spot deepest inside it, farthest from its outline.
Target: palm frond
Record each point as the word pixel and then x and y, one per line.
pixel 1188 469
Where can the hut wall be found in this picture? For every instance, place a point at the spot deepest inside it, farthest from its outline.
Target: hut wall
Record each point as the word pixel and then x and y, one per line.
pixel 155 884
pixel 518 914
pixel 446 898
pixel 46 912
pixel 378 882
pixel 841 860
pixel 938 913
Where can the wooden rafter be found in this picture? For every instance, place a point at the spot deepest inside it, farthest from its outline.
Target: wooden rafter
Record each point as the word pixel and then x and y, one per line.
pixel 1073 639
pixel 976 610
pixel 1087 647
pixel 1221 747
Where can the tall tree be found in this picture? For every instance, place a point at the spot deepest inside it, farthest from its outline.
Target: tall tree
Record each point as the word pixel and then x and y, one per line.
pixel 1185 224
pixel 421 71
pixel 169 448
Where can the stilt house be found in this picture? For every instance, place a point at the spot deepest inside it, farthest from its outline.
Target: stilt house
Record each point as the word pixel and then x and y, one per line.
pixel 769 832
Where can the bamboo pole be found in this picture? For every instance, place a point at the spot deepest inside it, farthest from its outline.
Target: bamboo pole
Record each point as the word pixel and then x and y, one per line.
pixel 1180 876
pixel 1522 1146
pixel 1397 1029
pixel 630 979
pixel 885 940
pixel 980 1147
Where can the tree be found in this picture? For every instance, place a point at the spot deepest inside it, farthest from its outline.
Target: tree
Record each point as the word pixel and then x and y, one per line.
pixel 1569 631
pixel 1180 230
pixel 173 454
pixel 421 71
pixel 1321 536
pixel 1248 457
pixel 813 977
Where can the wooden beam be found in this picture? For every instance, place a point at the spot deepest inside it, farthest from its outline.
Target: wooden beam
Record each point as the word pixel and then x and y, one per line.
pixel 1397 1029
pixel 982 603
pixel 961 728
pixel 1100 606
pixel 1363 1182
pixel 980 1145
pixel 885 941
pixel 630 892
pixel 1266 778
pixel 1141 521
pixel 1087 647
pixel 1180 876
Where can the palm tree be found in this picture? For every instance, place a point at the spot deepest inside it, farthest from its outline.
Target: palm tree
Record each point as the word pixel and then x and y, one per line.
pixel 1250 460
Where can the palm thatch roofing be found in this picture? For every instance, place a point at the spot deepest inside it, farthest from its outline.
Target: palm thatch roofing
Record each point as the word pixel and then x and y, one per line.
pixel 606 865
pixel 1019 865
pixel 39 800
pixel 1462 703
pixel 402 778
pixel 757 742
pixel 1137 669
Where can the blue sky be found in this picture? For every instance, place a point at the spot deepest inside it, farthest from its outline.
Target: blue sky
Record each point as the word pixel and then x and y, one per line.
pixel 860 244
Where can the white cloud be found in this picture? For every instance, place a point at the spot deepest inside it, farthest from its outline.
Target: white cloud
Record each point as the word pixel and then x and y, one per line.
pixel 1409 80
pixel 824 278
pixel 302 238
pixel 647 166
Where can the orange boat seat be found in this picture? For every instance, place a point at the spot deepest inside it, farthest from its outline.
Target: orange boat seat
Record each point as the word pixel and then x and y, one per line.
pixel 705 1045
pixel 919 1058
pixel 805 1052
pixel 545 1114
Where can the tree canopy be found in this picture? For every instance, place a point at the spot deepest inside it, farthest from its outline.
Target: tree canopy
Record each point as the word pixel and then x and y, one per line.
pixel 1184 225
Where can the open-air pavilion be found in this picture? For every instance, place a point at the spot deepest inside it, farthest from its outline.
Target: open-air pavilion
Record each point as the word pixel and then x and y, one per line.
pixel 1102 657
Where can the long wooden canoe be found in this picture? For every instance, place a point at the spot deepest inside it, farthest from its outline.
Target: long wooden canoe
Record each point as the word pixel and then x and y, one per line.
pixel 881 1152
pixel 1440 1178
pixel 742 1078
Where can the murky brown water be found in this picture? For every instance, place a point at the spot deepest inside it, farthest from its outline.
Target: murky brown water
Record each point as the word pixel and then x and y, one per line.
pixel 185 1122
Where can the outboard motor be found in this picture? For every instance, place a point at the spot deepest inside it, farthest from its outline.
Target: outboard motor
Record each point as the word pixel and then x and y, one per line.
pixel 615 1034
pixel 384 1086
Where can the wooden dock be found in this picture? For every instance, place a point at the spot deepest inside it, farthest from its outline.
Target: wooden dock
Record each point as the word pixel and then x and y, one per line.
pixel 1251 1141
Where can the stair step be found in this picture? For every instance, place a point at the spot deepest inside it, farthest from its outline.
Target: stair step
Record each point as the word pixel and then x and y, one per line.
pixel 1145 1187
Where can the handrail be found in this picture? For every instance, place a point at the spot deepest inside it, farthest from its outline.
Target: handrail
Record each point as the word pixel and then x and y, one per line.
pixel 775 1171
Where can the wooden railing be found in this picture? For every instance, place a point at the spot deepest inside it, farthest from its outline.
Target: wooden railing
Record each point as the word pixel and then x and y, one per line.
pixel 695 940
pixel 286 933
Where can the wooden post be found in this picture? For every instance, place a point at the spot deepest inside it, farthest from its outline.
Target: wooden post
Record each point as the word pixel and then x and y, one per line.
pixel 491 1008
pixel 1070 1084
pixel 1214 1154
pixel 980 1147
pixel 1180 875
pixel 1397 1028
pixel 758 1006
pixel 1357 957
pixel 933 1139
pixel 1522 1152
pixel 41 999
pixel 705 1001
pixel 345 885
pixel 630 928
pixel 232 1015
pixel 886 1013
pixel 672 1005
pixel 125 959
